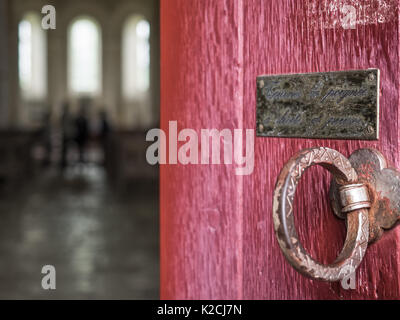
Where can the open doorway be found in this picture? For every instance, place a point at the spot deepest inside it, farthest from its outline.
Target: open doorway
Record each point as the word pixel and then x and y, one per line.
pixel 76 192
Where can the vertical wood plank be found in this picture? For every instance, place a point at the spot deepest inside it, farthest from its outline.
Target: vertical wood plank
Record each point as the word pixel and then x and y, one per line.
pixel 217 239
pixel 201 223
pixel 285 37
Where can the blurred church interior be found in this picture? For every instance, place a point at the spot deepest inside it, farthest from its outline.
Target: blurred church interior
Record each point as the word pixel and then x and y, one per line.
pixel 76 191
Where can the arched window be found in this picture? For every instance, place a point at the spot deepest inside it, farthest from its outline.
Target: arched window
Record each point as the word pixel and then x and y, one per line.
pixel 135 57
pixel 84 57
pixel 32 49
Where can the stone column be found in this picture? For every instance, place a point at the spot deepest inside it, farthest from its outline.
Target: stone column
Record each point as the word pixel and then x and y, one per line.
pixel 4 103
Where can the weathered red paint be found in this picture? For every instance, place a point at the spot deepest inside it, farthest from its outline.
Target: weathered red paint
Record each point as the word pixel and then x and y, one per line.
pixel 217 238
pixel 201 219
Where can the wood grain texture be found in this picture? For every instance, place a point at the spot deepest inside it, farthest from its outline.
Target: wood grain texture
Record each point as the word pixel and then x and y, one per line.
pixel 201 222
pixel 280 38
pixel 217 238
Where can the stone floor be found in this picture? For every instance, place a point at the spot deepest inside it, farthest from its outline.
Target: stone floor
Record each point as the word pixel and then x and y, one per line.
pixel 103 243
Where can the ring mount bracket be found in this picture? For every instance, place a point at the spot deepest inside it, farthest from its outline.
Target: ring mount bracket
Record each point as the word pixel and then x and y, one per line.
pixel 383 185
pixel 354 196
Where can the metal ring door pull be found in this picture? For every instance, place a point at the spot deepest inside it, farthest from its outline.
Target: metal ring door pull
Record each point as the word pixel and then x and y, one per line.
pixel 354 201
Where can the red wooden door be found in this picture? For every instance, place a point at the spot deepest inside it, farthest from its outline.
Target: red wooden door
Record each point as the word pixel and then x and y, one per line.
pixel 217 238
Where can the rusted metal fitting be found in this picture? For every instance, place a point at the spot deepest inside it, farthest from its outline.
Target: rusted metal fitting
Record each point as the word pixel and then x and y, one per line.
pixel 364 191
pixel 354 197
pixel 357 220
pixel 383 184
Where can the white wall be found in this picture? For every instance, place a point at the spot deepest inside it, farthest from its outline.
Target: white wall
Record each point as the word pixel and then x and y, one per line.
pixel 111 15
pixel 3 64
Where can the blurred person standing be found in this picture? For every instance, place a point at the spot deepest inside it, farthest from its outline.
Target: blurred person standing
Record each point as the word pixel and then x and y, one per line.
pixel 82 132
pixel 67 133
pixel 46 138
pixel 105 130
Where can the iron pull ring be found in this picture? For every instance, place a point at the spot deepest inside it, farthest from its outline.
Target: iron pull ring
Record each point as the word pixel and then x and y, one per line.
pixel 357 219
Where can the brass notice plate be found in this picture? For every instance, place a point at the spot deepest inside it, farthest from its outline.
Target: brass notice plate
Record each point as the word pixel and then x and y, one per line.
pixel 334 105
